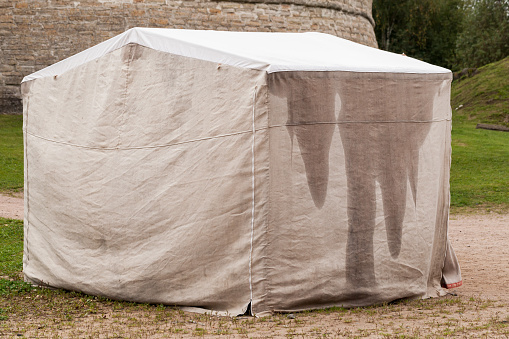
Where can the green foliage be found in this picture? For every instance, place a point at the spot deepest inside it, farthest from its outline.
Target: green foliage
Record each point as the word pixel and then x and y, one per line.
pixel 454 34
pixel 14 287
pixel 388 16
pixel 11 152
pixel 485 34
pixel 11 247
pixel 423 29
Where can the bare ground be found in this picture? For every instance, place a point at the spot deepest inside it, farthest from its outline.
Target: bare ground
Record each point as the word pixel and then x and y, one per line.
pixel 480 308
pixel 11 206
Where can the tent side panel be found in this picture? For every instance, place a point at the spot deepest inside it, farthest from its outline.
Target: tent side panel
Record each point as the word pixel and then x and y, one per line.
pixel 139 179
pixel 359 170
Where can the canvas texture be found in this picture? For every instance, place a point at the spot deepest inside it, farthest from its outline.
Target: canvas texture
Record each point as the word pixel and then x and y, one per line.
pixel 160 178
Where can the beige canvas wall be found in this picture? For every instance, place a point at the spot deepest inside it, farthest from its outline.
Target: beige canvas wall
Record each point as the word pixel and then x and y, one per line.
pixel 139 179
pixel 157 178
pixel 359 167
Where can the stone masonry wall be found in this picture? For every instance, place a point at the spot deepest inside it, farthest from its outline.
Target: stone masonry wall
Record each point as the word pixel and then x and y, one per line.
pixel 37 33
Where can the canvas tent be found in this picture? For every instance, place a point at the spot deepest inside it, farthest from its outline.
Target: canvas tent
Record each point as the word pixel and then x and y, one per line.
pixel 285 171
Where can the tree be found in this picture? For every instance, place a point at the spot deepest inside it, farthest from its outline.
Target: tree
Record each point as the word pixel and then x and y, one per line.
pixel 388 16
pixel 424 29
pixel 485 35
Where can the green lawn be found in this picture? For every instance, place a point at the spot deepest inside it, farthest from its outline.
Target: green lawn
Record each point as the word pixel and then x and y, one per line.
pixel 480 158
pixel 11 153
pixel 484 97
pixel 11 247
pixel 480 169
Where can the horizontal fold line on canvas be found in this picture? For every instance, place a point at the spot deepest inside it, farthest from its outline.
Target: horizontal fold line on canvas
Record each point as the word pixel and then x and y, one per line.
pixel 230 134
pixel 362 122
pixel 140 147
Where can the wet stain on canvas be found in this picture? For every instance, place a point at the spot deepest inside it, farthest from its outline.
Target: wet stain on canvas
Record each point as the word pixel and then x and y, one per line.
pixel 311 121
pixel 382 124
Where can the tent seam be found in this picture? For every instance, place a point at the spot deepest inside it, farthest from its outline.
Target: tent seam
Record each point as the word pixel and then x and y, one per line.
pixel 124 108
pixel 143 147
pixel 267 225
pixel 232 134
pixel 27 195
pixel 361 122
pixel 253 199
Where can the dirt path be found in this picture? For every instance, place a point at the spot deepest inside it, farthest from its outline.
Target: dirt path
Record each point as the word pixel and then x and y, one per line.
pixel 481 243
pixel 11 206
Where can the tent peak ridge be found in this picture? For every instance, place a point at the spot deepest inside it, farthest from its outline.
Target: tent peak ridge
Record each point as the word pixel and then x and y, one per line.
pixel 263 51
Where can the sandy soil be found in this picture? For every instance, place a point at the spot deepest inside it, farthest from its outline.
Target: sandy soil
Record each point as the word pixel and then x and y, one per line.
pixel 481 245
pixel 11 206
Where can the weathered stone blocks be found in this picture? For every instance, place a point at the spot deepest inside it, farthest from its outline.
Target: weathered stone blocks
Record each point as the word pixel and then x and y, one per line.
pixel 38 33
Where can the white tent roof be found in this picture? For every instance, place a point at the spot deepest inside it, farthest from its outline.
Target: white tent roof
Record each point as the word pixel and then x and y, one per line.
pixel 272 52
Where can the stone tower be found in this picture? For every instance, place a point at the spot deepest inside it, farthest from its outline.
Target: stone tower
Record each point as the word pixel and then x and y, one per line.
pixel 38 33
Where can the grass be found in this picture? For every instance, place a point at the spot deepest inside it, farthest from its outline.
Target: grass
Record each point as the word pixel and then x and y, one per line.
pixel 479 169
pixel 11 153
pixel 484 97
pixel 480 158
pixel 48 313
pixel 11 248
